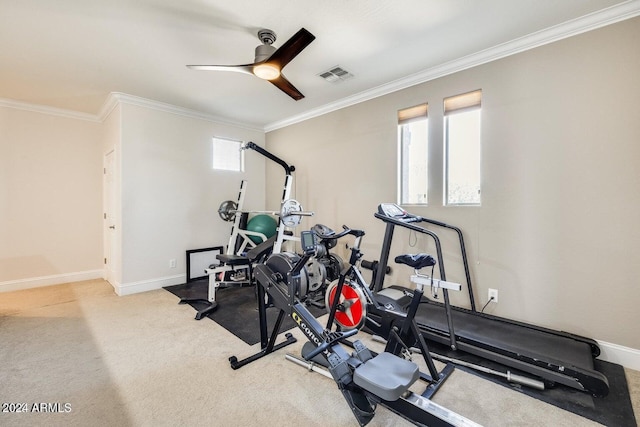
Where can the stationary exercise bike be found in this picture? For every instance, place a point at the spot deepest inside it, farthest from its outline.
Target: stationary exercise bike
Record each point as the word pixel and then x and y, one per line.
pixel 389 314
pixel 364 379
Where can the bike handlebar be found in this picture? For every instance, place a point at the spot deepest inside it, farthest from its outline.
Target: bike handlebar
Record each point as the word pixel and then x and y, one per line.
pixel 345 230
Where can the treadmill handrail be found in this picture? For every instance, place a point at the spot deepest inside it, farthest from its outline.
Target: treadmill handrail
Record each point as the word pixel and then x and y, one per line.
pixel 595 349
pixel 463 252
pixel 418 229
pixel 384 259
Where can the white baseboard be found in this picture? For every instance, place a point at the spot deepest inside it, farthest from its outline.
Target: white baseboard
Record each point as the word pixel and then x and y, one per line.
pixel 625 356
pixel 148 285
pixel 56 279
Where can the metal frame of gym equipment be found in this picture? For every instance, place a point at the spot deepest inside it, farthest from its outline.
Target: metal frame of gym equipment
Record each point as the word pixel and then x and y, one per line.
pixel 240 239
pixel 234 259
pixel 359 307
pixel 555 356
pixel 365 380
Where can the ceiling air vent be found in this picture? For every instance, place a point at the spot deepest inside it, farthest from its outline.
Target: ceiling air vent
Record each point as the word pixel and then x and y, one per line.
pixel 336 75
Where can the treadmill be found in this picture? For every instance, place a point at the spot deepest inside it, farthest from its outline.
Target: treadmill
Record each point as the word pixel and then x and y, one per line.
pixel 555 356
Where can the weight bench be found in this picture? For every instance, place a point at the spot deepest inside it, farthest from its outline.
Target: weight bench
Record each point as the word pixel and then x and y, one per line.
pixel 230 263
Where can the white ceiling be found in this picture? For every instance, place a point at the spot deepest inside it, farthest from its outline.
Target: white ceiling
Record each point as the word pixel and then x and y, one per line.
pixel 71 54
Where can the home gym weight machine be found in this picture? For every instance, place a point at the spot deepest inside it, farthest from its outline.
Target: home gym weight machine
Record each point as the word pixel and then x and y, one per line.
pixel 237 260
pixel 554 356
pixel 365 380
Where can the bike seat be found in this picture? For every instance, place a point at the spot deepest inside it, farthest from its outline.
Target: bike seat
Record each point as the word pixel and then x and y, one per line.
pixel 325 234
pixel 416 261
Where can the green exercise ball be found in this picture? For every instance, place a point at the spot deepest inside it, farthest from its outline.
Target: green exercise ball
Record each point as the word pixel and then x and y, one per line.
pixel 264 224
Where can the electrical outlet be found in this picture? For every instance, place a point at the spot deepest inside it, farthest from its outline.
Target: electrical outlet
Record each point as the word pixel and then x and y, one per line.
pixel 172 263
pixel 493 293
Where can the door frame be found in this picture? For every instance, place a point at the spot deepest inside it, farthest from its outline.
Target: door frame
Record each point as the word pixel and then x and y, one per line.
pixel 111 236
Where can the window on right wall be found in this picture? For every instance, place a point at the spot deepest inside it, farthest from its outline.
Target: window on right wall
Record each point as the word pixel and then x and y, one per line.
pixel 413 155
pixel 462 149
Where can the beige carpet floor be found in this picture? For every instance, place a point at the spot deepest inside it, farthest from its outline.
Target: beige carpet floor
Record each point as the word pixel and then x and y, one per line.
pixel 142 360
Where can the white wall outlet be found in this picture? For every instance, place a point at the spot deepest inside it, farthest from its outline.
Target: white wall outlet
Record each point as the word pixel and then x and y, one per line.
pixel 493 293
pixel 172 263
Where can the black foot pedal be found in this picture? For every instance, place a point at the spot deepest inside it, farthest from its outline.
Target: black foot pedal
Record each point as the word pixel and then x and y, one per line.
pixel 361 351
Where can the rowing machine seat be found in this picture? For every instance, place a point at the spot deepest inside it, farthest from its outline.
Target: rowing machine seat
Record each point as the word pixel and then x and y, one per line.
pixel 386 375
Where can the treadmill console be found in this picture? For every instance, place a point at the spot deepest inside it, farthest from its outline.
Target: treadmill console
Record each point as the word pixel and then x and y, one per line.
pixel 391 210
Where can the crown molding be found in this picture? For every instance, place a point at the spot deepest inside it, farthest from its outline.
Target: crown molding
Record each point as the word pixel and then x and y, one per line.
pixel 113 100
pixel 107 107
pixel 44 109
pixel 116 98
pixel 592 21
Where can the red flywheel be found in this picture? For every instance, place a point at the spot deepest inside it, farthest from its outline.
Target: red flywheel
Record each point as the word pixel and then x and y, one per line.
pixel 352 305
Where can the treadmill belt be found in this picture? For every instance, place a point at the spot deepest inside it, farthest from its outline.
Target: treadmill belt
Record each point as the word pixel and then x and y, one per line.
pixel 507 337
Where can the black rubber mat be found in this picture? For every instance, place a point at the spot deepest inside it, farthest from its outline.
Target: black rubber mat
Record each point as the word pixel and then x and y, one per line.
pixel 614 410
pixel 237 309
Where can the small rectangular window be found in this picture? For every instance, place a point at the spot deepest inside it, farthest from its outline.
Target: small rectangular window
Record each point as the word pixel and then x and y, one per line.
pixel 462 149
pixel 227 155
pixel 413 155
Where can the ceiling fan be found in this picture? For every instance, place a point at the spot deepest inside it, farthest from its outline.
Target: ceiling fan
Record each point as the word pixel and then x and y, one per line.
pixel 270 61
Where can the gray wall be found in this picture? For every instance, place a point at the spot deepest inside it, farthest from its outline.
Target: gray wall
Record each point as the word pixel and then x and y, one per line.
pixel 557 233
pixel 170 193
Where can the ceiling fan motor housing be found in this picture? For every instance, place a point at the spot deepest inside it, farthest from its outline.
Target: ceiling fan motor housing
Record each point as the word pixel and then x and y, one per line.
pixel 263 52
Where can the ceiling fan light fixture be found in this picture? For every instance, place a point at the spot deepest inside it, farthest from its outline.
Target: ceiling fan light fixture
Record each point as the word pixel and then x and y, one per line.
pixel 266 71
pixel 270 61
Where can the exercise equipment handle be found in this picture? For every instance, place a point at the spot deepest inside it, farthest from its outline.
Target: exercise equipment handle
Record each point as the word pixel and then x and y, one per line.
pixel 463 252
pixel 253 146
pixel 372 265
pixel 332 339
pixel 345 230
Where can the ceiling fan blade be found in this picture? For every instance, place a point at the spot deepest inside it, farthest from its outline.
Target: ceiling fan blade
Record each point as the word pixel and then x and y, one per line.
pixel 291 48
pixel 281 57
pixel 245 68
pixel 284 85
